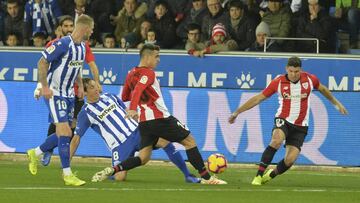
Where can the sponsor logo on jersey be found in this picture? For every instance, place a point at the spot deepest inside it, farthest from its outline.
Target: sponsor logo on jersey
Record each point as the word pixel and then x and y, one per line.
pixel 106 111
pixel 144 79
pixel 76 64
pixel 305 85
pixel 50 49
pixel 297 96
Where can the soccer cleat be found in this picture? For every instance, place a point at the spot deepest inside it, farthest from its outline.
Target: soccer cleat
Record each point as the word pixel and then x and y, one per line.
pixel 33 159
pixel 213 181
pixel 73 180
pixel 192 179
pixel 102 175
pixel 46 158
pixel 266 177
pixel 257 180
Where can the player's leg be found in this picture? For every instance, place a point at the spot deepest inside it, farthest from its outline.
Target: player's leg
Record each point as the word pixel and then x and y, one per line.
pixel 197 161
pixel 177 159
pixel 277 138
pixel 128 164
pixel 47 154
pixel 294 142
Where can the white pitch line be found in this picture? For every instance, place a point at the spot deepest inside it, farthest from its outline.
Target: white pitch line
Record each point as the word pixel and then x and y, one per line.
pixel 178 189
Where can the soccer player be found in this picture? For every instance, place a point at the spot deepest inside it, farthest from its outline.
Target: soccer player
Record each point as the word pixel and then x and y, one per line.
pixel 291 120
pixel 67 26
pixel 58 69
pixel 142 89
pixel 105 114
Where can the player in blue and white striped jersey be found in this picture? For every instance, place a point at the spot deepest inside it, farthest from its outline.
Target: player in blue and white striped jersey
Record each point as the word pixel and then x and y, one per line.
pixel 59 67
pixel 106 115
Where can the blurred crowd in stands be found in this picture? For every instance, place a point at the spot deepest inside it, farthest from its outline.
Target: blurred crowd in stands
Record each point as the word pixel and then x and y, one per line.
pixel 198 26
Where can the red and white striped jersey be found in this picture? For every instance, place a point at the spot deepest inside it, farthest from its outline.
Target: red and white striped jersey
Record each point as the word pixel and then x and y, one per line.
pixel 142 89
pixel 294 98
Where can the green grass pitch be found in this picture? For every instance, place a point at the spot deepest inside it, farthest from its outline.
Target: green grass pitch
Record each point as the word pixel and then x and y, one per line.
pixel 164 183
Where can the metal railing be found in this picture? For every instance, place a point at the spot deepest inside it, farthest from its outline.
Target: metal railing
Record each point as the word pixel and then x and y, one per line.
pixel 291 38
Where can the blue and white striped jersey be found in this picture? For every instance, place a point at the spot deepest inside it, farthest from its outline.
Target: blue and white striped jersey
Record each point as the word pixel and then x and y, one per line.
pixel 66 61
pixel 106 117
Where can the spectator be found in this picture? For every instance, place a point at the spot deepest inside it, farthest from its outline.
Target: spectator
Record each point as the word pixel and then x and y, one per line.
pixel 315 23
pixel 151 37
pixel 220 41
pixel 14 21
pixel 240 27
pixel 39 39
pixel 12 40
pixel 194 46
pixel 40 16
pixel 126 22
pixel 141 35
pixel 278 18
pixel 109 41
pixel 101 11
pixel 164 25
pixel 194 15
pixel 348 14
pixel 2 17
pixel 215 15
pixel 263 31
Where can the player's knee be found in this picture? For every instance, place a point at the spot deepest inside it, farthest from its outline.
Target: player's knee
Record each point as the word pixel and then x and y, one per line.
pixel 120 176
pixel 189 142
pixel 276 143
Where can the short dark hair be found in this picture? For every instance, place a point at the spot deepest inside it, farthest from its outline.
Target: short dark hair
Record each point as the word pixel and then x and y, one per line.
pixel 109 35
pixel 294 61
pixel 12 2
pixel 65 18
pixel 193 26
pixel 148 47
pixel 86 82
pixel 40 35
pixel 236 3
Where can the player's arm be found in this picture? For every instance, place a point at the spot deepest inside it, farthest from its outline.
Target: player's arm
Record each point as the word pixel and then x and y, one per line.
pixel 146 80
pixel 326 92
pixel 253 101
pixel 90 60
pixel 80 87
pixel 43 67
pixel 75 141
pixel 82 125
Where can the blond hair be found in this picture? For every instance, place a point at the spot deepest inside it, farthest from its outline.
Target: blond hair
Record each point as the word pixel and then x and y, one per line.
pixel 84 20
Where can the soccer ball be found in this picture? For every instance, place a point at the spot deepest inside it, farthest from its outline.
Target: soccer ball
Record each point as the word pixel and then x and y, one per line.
pixel 217 163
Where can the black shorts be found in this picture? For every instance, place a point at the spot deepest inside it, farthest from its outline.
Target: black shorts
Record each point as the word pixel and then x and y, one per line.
pixel 78 105
pixel 169 128
pixel 294 135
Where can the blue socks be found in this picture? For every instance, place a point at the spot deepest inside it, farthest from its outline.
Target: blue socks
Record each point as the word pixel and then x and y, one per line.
pixel 176 158
pixel 50 143
pixel 64 150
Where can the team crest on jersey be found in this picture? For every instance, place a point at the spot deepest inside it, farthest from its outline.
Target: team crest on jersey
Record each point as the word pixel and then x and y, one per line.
pixel 305 85
pixel 144 79
pixel 50 49
pixel 279 122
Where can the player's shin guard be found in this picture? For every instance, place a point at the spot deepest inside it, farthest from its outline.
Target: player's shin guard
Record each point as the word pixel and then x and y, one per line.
pixel 266 159
pixel 64 152
pixel 280 169
pixel 176 158
pixel 50 143
pixel 128 164
pixel 197 162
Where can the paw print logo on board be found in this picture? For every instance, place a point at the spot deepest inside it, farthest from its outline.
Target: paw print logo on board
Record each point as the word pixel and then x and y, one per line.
pixel 107 77
pixel 245 81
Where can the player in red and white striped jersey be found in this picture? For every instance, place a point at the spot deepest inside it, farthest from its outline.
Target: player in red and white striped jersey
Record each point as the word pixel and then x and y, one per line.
pixel 142 89
pixel 291 120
